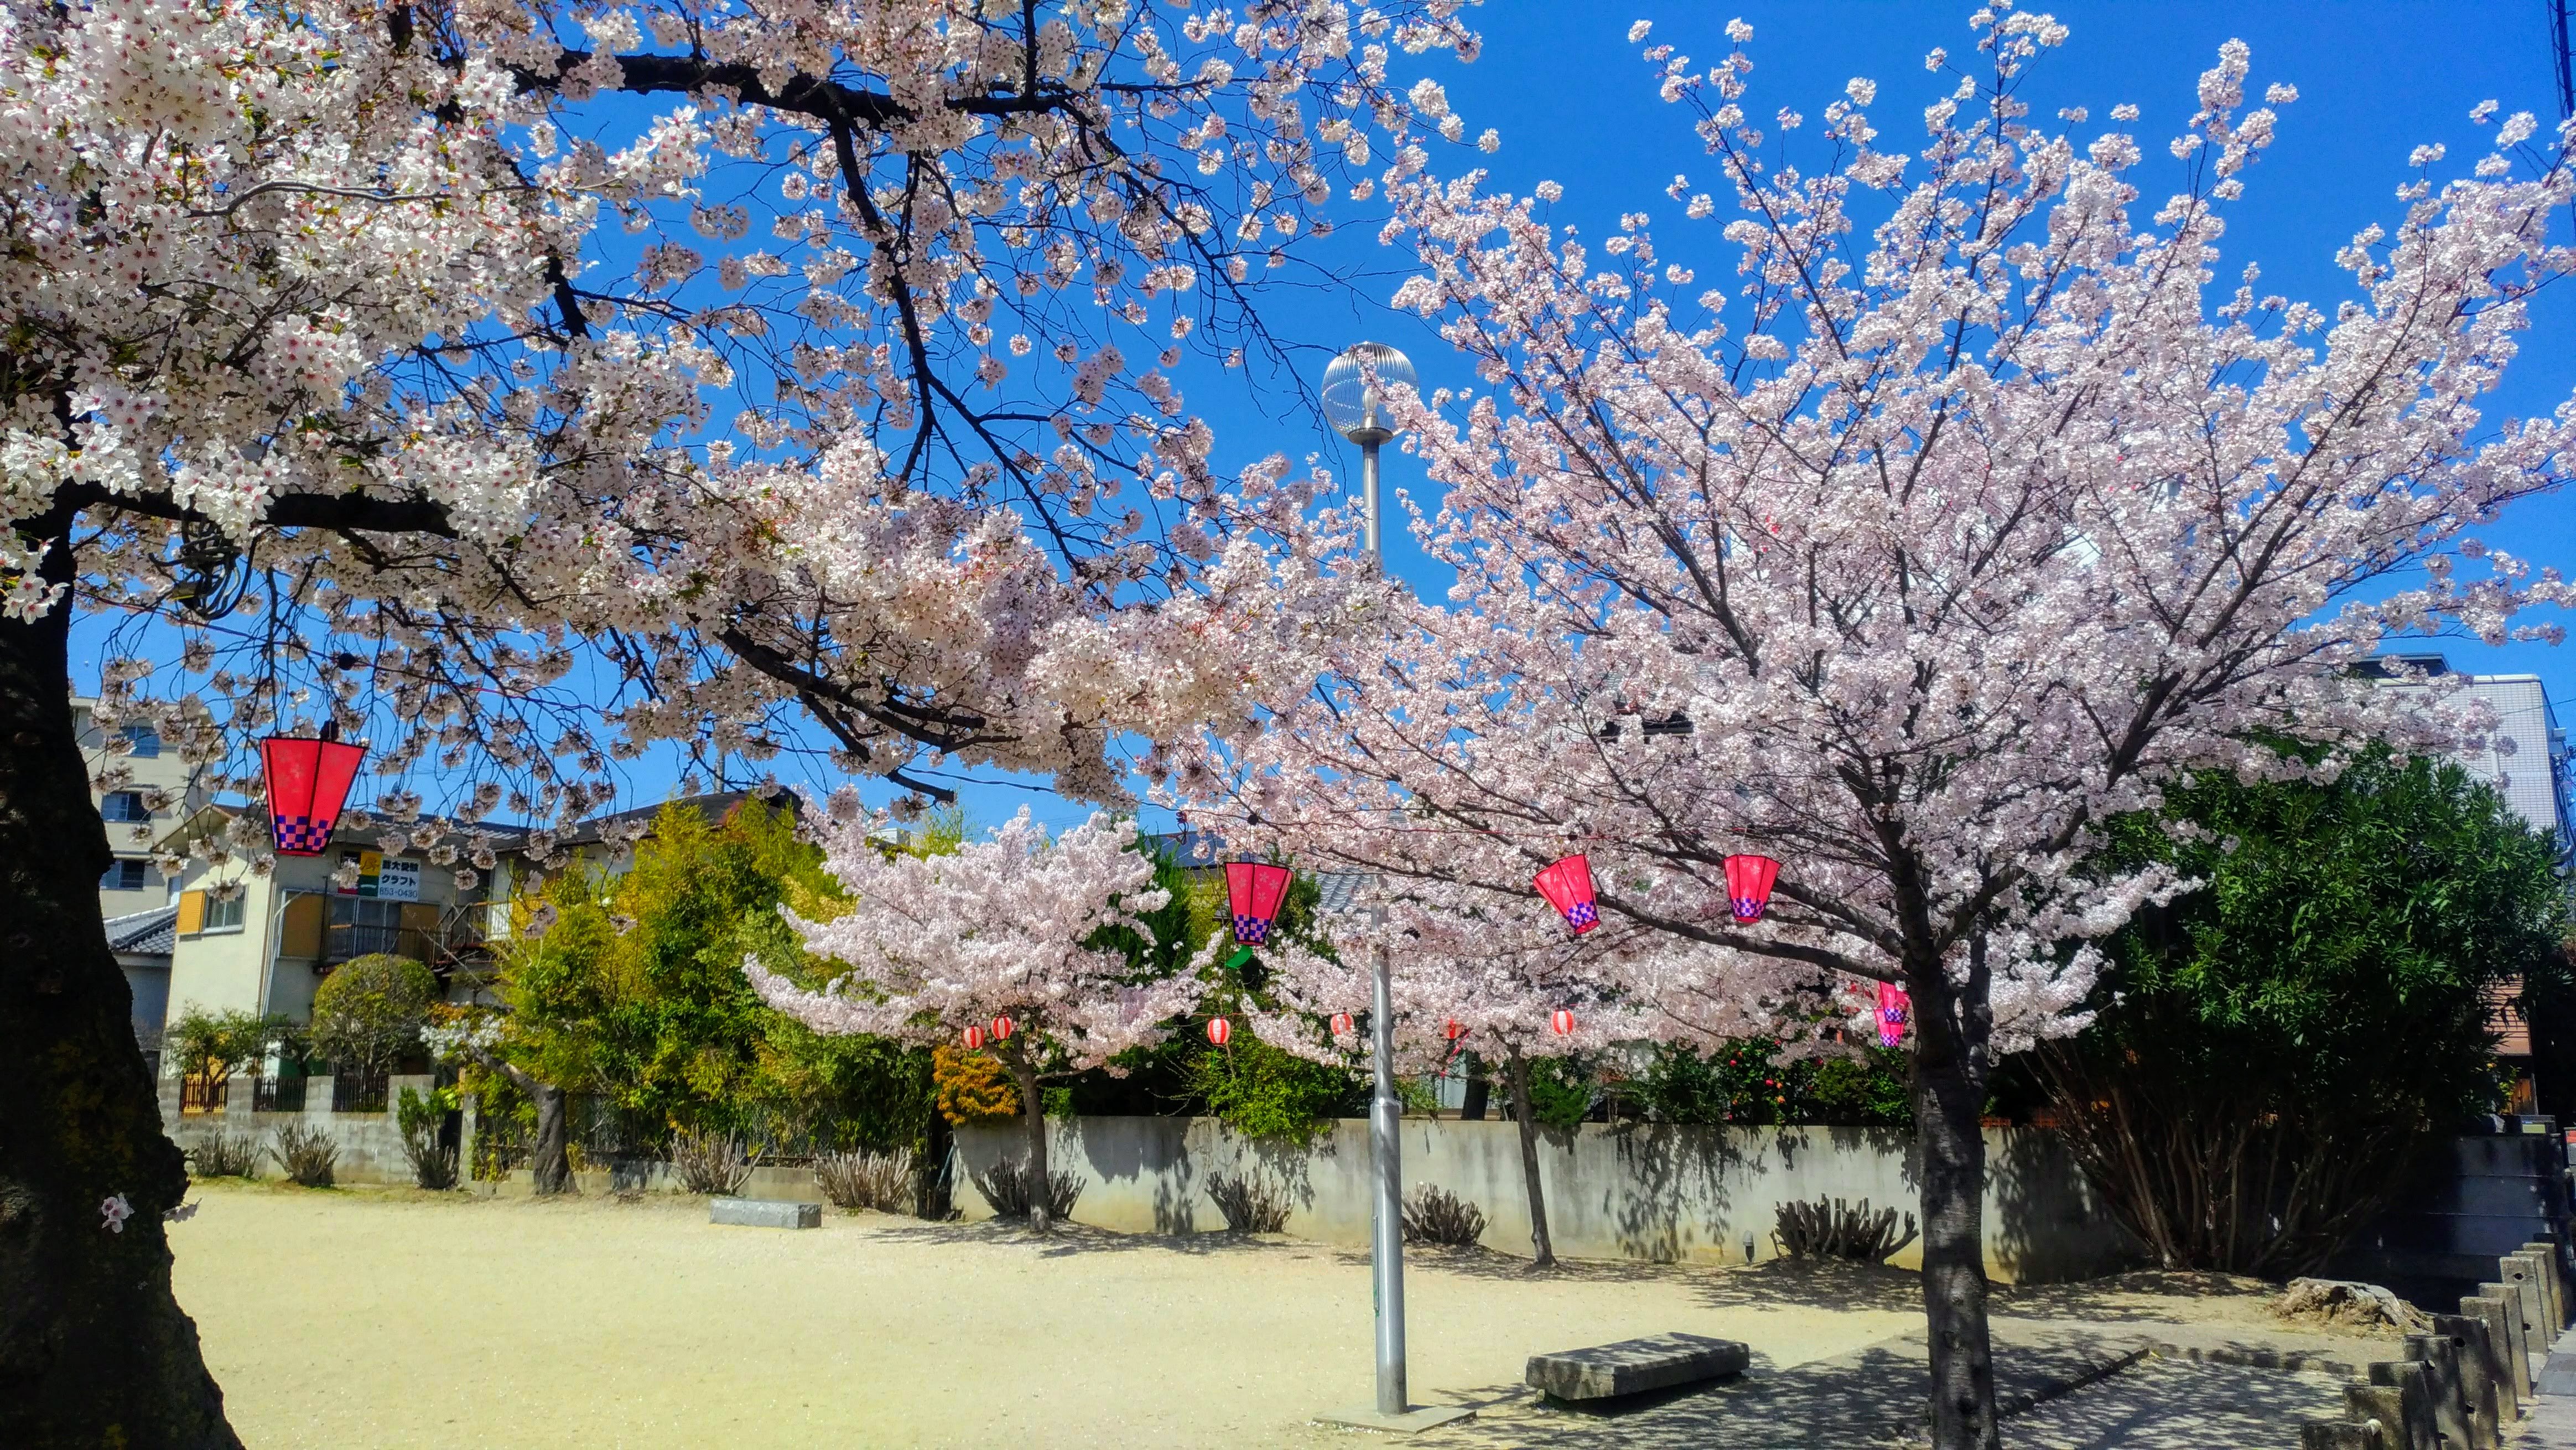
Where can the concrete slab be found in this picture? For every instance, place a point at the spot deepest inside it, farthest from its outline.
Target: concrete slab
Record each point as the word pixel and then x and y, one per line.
pixel 764 1213
pixel 1636 1366
pixel 1412 1422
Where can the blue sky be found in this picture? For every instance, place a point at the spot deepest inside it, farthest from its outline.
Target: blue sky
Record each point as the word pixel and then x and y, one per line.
pixel 1575 104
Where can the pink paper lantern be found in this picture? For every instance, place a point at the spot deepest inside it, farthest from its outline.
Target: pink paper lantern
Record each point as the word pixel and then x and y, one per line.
pixel 1253 892
pixel 1894 1010
pixel 1567 885
pixel 308 782
pixel 1748 885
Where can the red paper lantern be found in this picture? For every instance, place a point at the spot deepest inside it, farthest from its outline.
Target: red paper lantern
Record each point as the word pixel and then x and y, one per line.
pixel 1219 1030
pixel 1567 885
pixel 974 1038
pixel 1894 1008
pixel 1748 885
pixel 1562 1020
pixel 1253 892
pixel 1451 1030
pixel 1342 1026
pixel 1003 1027
pixel 308 782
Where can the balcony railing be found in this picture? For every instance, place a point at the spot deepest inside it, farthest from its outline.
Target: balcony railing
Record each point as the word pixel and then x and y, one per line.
pixel 442 950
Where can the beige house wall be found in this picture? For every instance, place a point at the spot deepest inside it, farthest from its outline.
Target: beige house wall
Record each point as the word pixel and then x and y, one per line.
pixel 267 963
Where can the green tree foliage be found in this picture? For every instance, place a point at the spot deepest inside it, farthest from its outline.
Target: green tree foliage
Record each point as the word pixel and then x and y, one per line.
pixel 1253 1088
pixel 368 1013
pixel 2273 1044
pixel 1560 1091
pixel 1264 1093
pixel 212 1046
pixel 635 993
pixel 1746 1081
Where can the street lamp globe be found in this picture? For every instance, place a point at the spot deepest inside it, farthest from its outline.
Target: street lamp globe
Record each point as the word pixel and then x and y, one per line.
pixel 1356 385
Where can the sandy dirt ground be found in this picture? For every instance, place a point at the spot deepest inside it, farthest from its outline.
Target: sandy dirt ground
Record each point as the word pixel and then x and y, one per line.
pixel 390 1318
pixel 383 1317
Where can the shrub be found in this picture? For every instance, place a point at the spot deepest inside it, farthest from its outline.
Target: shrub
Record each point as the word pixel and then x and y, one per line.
pixel 422 1119
pixel 307 1154
pixel 370 1010
pixel 866 1180
pixel 970 1087
pixel 224 1155
pixel 1560 1092
pixel 709 1162
pixel 1833 1229
pixel 1249 1205
pixel 1267 1094
pixel 1745 1081
pixel 1005 1186
pixel 1434 1215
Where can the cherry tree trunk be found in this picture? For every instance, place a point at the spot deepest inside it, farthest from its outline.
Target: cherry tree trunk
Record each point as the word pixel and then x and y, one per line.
pixel 1953 1029
pixel 1033 1121
pixel 550 1157
pixel 93 1348
pixel 1542 1250
pixel 550 1161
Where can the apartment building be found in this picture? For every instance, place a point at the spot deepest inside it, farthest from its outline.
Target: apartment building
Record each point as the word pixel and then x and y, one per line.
pixel 140 790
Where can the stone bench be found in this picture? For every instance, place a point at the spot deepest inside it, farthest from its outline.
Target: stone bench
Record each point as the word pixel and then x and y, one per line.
pixel 1636 1366
pixel 764 1213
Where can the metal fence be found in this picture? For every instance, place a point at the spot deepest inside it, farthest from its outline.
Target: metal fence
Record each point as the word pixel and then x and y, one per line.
pixel 200 1095
pixel 277 1094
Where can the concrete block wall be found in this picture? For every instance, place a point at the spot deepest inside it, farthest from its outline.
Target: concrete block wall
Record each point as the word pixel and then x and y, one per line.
pixel 1632 1191
pixel 371 1149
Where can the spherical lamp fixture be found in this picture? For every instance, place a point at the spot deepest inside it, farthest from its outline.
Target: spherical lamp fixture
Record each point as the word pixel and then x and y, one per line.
pixel 1357 387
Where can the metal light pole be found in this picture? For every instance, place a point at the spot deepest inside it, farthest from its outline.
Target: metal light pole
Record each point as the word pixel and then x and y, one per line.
pixel 1355 387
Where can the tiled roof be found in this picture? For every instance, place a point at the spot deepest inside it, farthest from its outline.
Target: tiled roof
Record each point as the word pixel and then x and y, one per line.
pixel 1344 890
pixel 144 933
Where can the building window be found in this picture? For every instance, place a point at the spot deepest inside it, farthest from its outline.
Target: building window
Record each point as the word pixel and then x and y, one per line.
pixel 146 740
pixel 126 875
pixel 224 911
pixel 124 805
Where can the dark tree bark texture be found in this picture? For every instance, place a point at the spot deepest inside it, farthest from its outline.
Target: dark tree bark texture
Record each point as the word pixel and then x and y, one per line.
pixel 94 1350
pixel 1542 1249
pixel 1033 1122
pixel 1953 1029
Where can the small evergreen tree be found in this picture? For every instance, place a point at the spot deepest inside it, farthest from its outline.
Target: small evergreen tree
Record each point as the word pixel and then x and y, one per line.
pixel 2274 1043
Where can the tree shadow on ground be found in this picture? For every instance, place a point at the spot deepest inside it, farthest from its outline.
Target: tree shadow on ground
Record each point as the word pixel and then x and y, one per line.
pixel 1074 1238
pixel 1869 1397
pixel 1482 1263
pixel 2145 1295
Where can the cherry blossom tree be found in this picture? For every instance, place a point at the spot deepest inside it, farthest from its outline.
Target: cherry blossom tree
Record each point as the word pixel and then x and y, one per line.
pixel 522 387
pixel 1007 928
pixel 1476 971
pixel 1910 564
